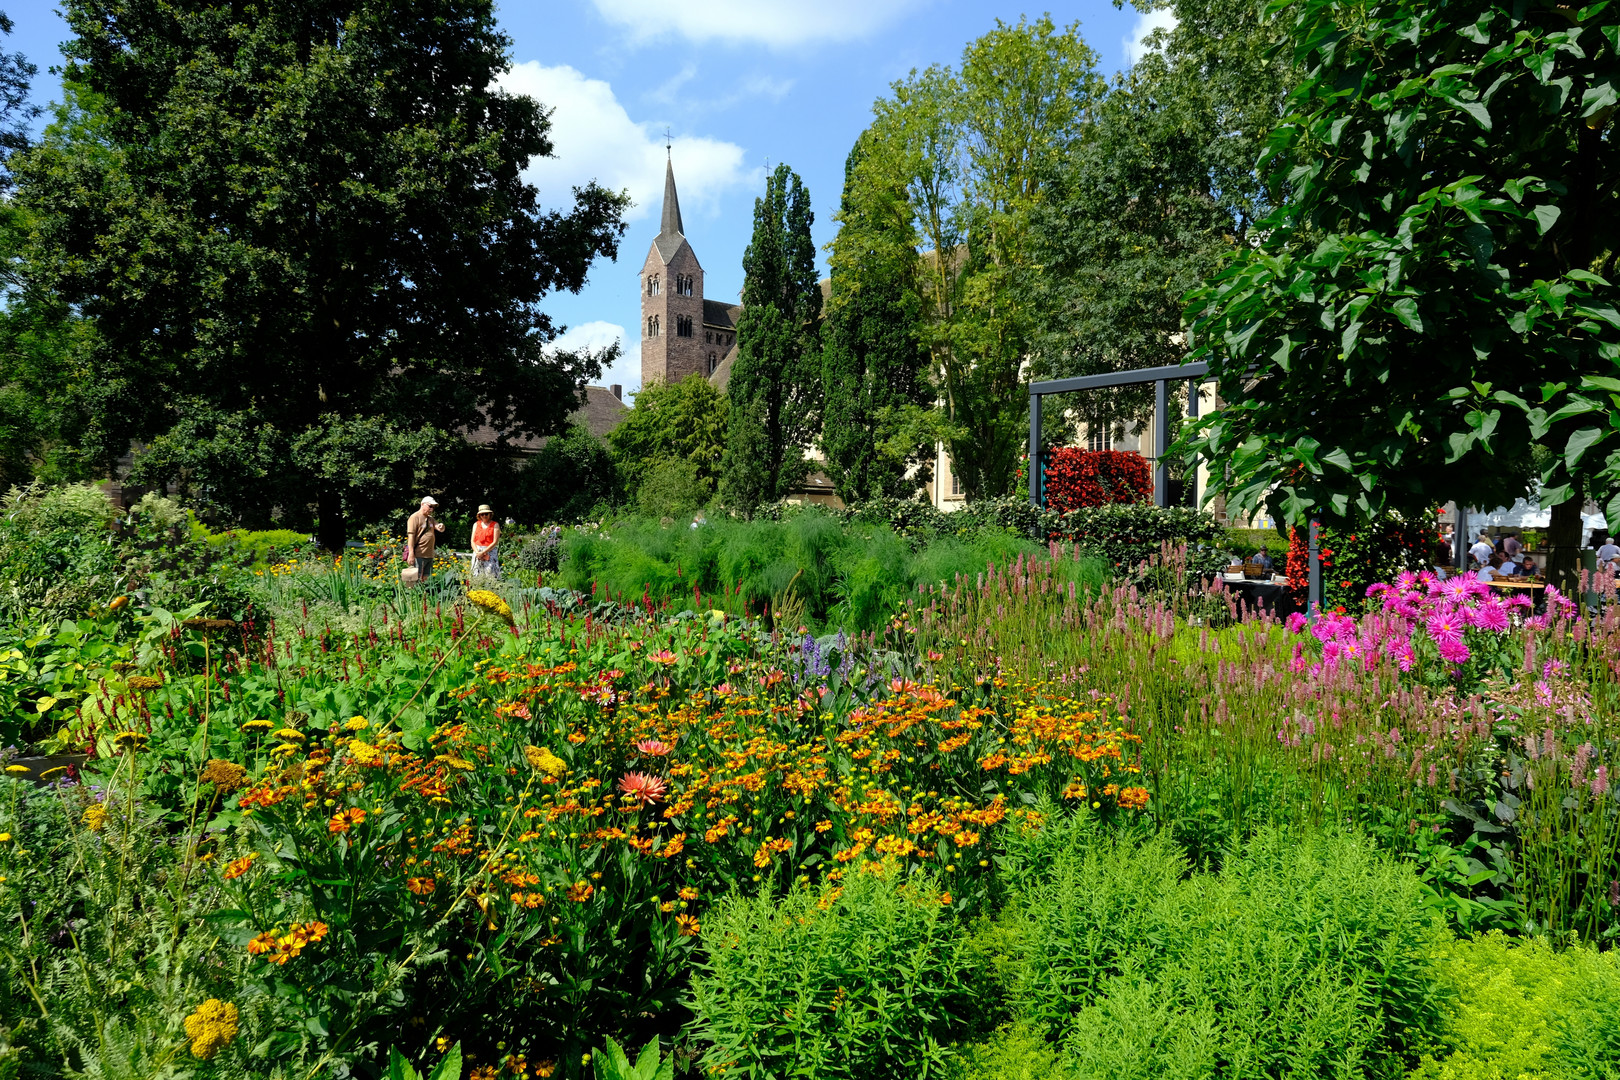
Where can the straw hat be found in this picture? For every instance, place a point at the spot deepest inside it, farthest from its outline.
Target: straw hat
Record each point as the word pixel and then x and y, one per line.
pixel 484 508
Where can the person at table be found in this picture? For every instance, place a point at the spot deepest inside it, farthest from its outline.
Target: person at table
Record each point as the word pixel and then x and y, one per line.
pixel 1482 550
pixel 1442 561
pixel 1262 559
pixel 1511 546
pixel 1528 567
pixel 1491 570
pixel 1608 555
pixel 1508 565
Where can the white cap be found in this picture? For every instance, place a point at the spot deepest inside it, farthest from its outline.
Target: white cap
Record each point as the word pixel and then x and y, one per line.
pixel 428 500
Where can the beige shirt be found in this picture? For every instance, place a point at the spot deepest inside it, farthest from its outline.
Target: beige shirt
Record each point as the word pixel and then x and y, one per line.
pixel 420 532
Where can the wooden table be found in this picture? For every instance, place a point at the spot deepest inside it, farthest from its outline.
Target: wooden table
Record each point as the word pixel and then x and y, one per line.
pixel 1517 584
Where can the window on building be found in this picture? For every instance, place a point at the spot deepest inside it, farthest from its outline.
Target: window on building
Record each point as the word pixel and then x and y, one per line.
pixel 653 287
pixel 956 483
pixel 1097 434
pixel 708 337
pixel 652 326
pixel 683 326
pixel 684 285
pixel 714 363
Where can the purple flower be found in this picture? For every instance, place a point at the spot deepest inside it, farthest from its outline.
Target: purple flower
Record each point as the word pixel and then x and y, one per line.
pixel 1295 623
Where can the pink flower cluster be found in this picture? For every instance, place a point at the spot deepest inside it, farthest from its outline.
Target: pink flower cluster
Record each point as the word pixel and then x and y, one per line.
pixel 1415 607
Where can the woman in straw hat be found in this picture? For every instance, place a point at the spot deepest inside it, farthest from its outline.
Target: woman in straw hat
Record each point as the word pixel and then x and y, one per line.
pixel 486 534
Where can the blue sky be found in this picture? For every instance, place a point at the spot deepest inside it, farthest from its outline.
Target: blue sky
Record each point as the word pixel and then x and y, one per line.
pixel 738 83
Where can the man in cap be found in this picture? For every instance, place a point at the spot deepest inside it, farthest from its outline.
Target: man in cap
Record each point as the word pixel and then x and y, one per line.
pixel 422 536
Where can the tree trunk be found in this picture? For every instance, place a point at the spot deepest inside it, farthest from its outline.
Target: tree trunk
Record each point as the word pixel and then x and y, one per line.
pixel 1564 543
pixel 330 528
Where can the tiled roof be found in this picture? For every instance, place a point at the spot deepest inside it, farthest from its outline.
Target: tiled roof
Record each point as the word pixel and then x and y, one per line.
pixel 601 414
pixel 719 315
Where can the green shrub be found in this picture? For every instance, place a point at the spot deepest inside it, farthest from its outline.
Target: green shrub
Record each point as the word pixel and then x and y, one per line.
pixel 1016 1052
pixel 71 507
pixel 1303 956
pixel 1127 534
pixel 1521 1009
pixel 866 981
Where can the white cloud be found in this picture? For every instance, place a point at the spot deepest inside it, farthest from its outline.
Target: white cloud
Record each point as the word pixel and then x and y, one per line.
pixel 1147 22
pixel 598 334
pixel 779 24
pixel 594 138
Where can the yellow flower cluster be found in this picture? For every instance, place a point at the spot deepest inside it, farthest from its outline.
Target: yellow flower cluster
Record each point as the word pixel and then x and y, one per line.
pixel 488 601
pixel 211 1027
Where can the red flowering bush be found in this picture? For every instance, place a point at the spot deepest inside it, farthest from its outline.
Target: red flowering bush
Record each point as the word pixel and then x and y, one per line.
pixel 1355 558
pixel 1075 478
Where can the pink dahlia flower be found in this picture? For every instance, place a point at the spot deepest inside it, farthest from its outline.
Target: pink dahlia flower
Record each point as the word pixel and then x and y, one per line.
pixel 642 789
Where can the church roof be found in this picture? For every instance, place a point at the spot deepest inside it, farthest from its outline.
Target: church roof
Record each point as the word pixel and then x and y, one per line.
pixel 722 315
pixel 670 230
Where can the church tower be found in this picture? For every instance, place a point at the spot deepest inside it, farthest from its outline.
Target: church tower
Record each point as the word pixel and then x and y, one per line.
pixel 671 300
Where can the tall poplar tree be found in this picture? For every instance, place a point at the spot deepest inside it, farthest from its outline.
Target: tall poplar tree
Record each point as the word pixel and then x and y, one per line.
pixel 303 235
pixel 775 387
pixel 873 365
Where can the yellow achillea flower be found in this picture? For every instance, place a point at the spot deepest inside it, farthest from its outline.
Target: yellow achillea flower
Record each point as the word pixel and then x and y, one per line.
pixel 491 603
pixel 95 816
pixel 363 752
pixel 543 760
pixel 143 683
pixel 257 725
pixel 288 734
pixel 356 723
pixel 226 776
pixel 211 1028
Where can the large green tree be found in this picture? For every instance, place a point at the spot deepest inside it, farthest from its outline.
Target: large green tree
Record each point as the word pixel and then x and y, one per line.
pixel 303 235
pixel 973 149
pixel 775 387
pixel 873 364
pixel 1436 288
pixel 1144 209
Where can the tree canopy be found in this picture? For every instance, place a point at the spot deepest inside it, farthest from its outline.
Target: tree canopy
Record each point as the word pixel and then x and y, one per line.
pixel 303 236
pixel 875 433
pixel 1145 206
pixel 682 421
pixel 1434 290
pixel 972 149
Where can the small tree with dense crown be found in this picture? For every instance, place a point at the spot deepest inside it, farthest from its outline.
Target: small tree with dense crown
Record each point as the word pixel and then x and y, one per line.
pixel 682 421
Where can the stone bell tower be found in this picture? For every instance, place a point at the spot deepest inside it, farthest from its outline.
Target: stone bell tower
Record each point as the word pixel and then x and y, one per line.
pixel 671 299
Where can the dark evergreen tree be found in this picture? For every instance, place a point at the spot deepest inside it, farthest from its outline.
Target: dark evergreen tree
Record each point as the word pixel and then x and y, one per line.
pixel 304 238
pixel 775 387
pixel 872 357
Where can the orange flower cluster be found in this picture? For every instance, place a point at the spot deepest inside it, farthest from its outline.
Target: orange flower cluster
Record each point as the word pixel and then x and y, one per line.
pixel 278 948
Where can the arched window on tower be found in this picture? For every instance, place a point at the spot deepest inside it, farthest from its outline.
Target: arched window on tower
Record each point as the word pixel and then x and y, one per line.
pixel 690 279
pixel 708 337
pixel 714 363
pixel 683 326
pixel 652 285
pixel 652 326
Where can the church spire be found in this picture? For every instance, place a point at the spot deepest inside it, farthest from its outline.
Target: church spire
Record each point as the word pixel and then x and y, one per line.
pixel 670 227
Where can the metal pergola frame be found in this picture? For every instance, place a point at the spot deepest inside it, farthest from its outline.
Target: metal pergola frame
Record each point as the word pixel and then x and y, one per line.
pixel 1161 377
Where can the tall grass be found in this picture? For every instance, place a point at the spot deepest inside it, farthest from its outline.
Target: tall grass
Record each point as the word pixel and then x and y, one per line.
pixel 856 576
